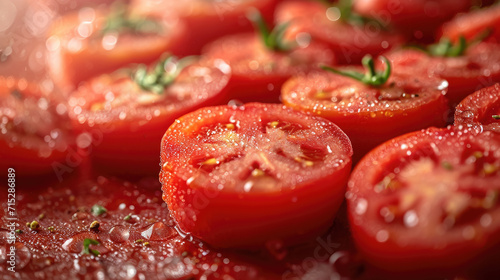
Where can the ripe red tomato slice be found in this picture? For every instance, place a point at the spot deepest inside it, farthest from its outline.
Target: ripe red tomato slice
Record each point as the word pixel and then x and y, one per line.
pixel 239 177
pixel 210 19
pixel 349 42
pixel 80 49
pixel 417 18
pixel 480 110
pixel 126 122
pixel 476 69
pixel 257 72
pixel 370 115
pixel 33 135
pixel 426 202
pixel 473 24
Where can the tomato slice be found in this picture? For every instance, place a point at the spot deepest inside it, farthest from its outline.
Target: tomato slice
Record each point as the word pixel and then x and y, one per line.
pixel 125 122
pixel 239 177
pixel 349 42
pixel 417 18
pixel 370 115
pixel 80 49
pixel 257 72
pixel 480 110
pixel 474 24
pixel 476 69
pixel 33 133
pixel 427 202
pixel 209 19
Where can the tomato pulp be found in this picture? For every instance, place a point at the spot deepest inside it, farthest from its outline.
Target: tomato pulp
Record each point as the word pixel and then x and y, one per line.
pixel 480 110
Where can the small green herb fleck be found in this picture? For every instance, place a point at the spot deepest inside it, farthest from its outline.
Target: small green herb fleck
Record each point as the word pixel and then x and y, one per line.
pixel 272 39
pixel 86 250
pixel 128 217
pixel 18 231
pixel 98 210
pixel 41 216
pixel 446 165
pixel 51 229
pixel 139 241
pixel 496 117
pixel 94 225
pixel 34 225
pixel 146 244
pixel 371 77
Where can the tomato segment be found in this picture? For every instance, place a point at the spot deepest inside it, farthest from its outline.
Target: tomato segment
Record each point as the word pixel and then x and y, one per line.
pixel 370 115
pixel 257 72
pixel 238 177
pixel 94 41
pixel 33 135
pixel 430 197
pixel 349 42
pixel 126 122
pixel 480 110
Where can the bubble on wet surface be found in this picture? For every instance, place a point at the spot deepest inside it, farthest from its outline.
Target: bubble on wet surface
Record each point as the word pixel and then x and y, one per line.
pixel 119 234
pixel 157 232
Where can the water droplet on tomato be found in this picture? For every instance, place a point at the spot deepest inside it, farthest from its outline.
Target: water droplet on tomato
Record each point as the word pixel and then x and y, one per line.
pixel 157 232
pixel 361 206
pixel 21 256
pixel 119 234
pixel 109 41
pixel 75 243
pixel 80 216
pixel 382 236
pixel 410 218
pixel 277 249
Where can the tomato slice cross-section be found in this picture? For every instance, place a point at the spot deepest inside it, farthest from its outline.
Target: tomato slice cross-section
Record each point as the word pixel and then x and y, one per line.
pixel 237 177
pixel 480 110
pixel 427 202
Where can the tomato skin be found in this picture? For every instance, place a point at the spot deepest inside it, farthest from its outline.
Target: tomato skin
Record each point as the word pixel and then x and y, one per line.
pixel 257 72
pixel 230 218
pixel 369 115
pixel 126 127
pixel 427 246
pixel 34 136
pixel 477 109
pixel 77 52
pixel 348 42
pixel 210 19
pixel 465 74
pixel 418 18
pixel 473 24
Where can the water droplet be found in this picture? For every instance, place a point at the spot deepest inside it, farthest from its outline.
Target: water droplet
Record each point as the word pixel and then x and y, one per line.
pixel 486 220
pixel 75 243
pixel 361 206
pixel 109 41
pixel 382 236
pixel 157 232
pixel 469 232
pixel 333 13
pixel 80 216
pixel 410 218
pixel 119 234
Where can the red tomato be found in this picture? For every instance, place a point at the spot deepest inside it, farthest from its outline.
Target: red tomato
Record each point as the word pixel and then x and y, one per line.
pixel 349 42
pixel 474 24
pixel 426 203
pixel 477 68
pixel 257 72
pixel 33 135
pixel 209 19
pixel 417 18
pixel 241 177
pixel 480 110
pixel 126 122
pixel 370 115
pixel 80 49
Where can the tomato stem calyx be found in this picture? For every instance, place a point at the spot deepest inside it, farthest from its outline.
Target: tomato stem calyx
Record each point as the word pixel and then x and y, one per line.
pixel 119 21
pixel 371 77
pixel 162 75
pixel 272 39
pixel 446 48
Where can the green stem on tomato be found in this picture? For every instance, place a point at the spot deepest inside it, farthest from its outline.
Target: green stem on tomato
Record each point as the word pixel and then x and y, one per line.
pixel 445 48
pixel 119 21
pixel 272 39
pixel 371 76
pixel 162 75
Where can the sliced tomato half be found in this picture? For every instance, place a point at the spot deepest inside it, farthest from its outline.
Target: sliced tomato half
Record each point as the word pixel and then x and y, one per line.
pixel 240 177
pixel 480 110
pixel 426 203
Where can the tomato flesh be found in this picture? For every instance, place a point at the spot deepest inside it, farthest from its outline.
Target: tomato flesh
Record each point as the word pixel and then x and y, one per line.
pixel 348 42
pixel 370 115
pixel 78 50
pixel 240 177
pixel 33 135
pixel 479 110
pixel 126 123
pixel 257 72
pixel 429 203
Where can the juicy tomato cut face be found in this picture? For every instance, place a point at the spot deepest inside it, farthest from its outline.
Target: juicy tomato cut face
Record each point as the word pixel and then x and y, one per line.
pixel 257 72
pixel 33 135
pixel 474 24
pixel 477 68
pixel 480 110
pixel 430 195
pixel 117 108
pixel 349 42
pixel 93 41
pixel 239 177
pixel 370 115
